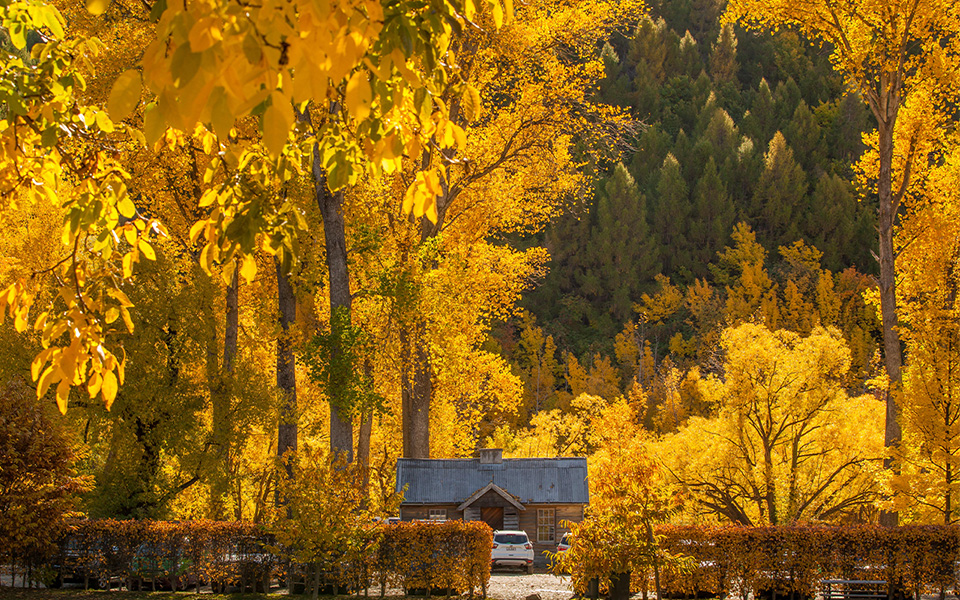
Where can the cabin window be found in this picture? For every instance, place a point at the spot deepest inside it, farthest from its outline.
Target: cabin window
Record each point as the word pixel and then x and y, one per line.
pixel 438 514
pixel 546 517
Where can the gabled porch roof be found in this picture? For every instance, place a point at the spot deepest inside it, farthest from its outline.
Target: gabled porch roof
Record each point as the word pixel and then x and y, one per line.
pixel 495 488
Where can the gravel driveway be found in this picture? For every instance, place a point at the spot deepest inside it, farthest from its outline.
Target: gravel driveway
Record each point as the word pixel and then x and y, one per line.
pixel 517 586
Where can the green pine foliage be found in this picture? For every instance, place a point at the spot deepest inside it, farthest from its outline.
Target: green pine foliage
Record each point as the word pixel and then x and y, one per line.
pixel 737 128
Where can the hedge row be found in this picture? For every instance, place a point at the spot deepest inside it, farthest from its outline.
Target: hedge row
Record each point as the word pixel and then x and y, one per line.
pixel 450 555
pixel 175 552
pixel 791 561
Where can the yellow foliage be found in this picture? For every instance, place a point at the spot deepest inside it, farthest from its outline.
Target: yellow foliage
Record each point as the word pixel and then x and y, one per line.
pixel 780 448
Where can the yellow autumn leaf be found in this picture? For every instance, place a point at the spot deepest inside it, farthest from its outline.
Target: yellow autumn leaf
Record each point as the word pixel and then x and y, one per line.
pixel 63 394
pixel 120 297
pixel 195 230
pixel 38 362
pixel 126 207
pixel 153 126
pixel 249 268
pixel 126 319
pixel 359 96
pixel 50 374
pixel 448 138
pixel 108 390
pixel 471 103
pixel 97 7
pixel 128 260
pixel 203 34
pixel 459 136
pixel 93 384
pixel 497 13
pixel 20 322
pixel 125 95
pixel 276 126
pixel 147 249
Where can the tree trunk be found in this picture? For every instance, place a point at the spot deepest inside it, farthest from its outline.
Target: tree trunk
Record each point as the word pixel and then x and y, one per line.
pixel 416 390
pixel 221 397
pixel 893 358
pixel 286 368
pixel 334 232
pixel 770 496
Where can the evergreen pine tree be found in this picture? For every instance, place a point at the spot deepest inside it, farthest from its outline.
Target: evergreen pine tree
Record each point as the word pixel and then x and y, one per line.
pixel 778 199
pixel 621 248
pixel 723 56
pixel 838 225
pixel 786 99
pixel 689 62
pixel 712 220
pixel 803 135
pixel 670 218
pixel 652 148
pixel 760 124
pixel 615 88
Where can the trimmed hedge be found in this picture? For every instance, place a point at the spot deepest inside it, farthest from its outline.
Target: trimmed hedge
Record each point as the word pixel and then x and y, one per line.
pixel 791 561
pixel 450 555
pixel 189 551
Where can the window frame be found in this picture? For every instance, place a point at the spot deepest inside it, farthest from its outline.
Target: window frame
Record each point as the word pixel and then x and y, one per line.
pixel 546 525
pixel 437 514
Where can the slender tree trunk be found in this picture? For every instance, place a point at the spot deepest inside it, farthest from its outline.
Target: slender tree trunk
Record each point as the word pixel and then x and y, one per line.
pixel 366 429
pixel 893 358
pixel 771 485
pixel 286 368
pixel 221 400
pixel 416 391
pixel 363 446
pixel 334 232
pixel 232 325
pixel 948 497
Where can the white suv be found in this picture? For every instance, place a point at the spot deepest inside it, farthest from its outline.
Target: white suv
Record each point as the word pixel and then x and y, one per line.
pixel 513 549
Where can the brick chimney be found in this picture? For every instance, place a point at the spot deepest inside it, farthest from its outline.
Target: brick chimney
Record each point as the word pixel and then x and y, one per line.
pixel 491 456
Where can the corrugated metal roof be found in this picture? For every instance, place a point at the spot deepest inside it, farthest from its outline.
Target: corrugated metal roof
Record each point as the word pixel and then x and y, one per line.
pixel 532 480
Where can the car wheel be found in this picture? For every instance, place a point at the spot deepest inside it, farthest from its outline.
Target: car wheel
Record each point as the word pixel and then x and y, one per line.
pixel 529 569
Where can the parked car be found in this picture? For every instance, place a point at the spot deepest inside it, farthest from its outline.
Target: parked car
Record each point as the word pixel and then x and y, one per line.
pixel 564 544
pixel 512 549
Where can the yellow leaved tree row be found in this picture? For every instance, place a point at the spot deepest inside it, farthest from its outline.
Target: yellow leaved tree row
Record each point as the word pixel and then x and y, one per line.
pixel 893 53
pixel 519 165
pixel 376 67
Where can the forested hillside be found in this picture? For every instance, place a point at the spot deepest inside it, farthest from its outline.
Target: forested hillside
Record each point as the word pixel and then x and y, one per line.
pixel 738 128
pixel 737 201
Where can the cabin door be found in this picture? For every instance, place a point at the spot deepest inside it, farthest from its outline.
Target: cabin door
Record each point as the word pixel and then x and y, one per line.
pixel 492 516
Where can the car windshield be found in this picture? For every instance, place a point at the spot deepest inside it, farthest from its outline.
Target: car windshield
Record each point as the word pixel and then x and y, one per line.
pixel 510 538
pixel 565 539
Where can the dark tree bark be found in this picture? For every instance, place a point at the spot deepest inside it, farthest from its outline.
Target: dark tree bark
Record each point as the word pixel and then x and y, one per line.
pixel 220 397
pixel 416 391
pixel 885 105
pixel 286 367
pixel 366 428
pixel 334 232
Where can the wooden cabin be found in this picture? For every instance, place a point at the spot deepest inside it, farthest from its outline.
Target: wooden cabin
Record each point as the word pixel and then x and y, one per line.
pixel 532 494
